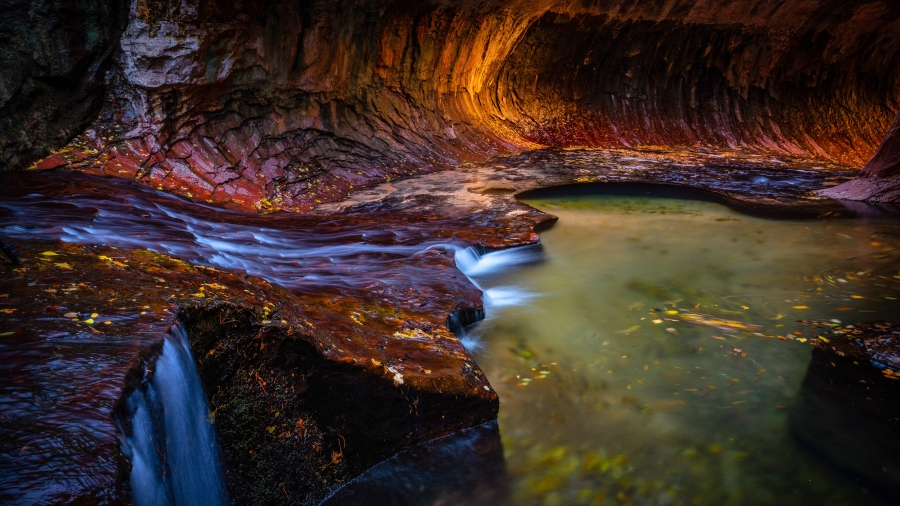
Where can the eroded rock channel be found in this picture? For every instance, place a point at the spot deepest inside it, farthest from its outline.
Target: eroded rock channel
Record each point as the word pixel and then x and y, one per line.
pixel 291 202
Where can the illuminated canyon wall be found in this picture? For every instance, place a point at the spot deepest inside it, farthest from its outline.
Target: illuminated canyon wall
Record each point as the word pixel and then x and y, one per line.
pixel 268 105
pixel 880 178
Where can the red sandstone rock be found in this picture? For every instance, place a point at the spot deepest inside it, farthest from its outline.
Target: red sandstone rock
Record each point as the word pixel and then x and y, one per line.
pixel 880 178
pixel 272 106
pixel 51 162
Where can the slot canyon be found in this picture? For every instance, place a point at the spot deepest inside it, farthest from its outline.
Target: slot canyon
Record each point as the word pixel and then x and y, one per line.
pixel 449 252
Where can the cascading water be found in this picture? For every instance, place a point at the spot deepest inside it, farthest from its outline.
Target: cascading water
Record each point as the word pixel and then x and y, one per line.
pixel 169 438
pixel 479 265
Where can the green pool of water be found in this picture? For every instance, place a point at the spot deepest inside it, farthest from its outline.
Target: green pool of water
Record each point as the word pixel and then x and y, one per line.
pixel 661 358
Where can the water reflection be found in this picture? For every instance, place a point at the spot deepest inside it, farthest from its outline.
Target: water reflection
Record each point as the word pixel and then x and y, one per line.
pixel 669 344
pixel 463 468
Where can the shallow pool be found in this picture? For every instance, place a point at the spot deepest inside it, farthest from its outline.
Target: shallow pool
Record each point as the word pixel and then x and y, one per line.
pixel 664 345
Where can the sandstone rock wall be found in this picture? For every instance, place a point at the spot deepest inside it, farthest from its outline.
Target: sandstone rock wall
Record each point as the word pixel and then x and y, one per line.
pixel 269 105
pixel 606 80
pixel 879 180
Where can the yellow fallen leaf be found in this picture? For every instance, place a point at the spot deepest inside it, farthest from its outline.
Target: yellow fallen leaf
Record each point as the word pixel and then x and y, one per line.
pixel 94 315
pixel 63 265
pixel 107 322
pixel 411 334
pixel 800 307
pixel 89 321
pixel 671 311
pixel 50 254
pixel 857 297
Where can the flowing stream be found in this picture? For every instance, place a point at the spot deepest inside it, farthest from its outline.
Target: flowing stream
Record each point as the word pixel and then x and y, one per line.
pixel 651 351
pixel 660 343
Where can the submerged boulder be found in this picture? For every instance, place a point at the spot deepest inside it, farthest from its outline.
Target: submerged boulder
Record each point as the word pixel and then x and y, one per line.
pixel 848 411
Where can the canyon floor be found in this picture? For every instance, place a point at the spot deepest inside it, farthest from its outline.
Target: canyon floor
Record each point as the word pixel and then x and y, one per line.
pixel 323 340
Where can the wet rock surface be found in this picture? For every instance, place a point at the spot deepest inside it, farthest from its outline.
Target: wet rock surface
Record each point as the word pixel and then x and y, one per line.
pixel 296 425
pixel 754 183
pixel 467 467
pixel 75 317
pixel 877 343
pixel 262 359
pixel 356 355
pixel 332 351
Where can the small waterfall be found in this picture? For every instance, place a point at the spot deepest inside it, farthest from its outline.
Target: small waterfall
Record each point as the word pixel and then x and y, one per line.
pixel 480 265
pixel 171 443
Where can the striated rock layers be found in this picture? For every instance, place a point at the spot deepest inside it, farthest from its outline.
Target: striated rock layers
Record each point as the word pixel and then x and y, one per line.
pixel 268 105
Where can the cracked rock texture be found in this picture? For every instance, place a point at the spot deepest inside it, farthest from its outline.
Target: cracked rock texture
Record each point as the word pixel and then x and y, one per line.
pixel 283 105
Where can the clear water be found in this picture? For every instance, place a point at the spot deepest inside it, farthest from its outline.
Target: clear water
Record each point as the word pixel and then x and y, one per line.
pixel 660 355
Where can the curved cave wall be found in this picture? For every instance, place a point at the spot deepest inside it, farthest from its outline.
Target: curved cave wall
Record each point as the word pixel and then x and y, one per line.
pixel 285 104
pixel 880 178
pixel 612 81
pixel 270 105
